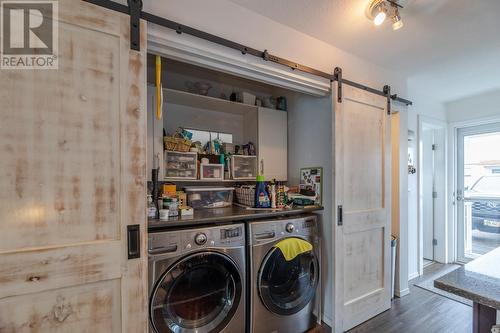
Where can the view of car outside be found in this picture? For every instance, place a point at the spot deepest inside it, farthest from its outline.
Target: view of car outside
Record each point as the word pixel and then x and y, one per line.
pixel 482 193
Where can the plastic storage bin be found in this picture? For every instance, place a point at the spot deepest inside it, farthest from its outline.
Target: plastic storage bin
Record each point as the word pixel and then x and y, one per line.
pixel 212 171
pixel 180 165
pixel 209 197
pixel 243 167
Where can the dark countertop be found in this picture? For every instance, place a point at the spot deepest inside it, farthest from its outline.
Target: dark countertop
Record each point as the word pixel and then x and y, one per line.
pixel 479 280
pixel 224 216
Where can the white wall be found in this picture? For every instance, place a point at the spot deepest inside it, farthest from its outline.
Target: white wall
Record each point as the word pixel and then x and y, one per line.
pixel 423 105
pixel 475 107
pixel 228 20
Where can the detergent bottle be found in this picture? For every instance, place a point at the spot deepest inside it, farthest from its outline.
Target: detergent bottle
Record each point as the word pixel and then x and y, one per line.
pixel 261 196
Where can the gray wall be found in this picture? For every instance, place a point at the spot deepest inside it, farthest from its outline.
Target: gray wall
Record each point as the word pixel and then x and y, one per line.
pixel 310 145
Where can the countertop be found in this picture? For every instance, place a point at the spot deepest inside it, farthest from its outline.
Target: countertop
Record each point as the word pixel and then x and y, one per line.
pixel 224 216
pixel 479 280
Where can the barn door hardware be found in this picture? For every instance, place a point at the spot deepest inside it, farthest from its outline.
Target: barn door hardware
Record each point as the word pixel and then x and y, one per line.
pixel 134 241
pixel 337 73
pixel 134 9
pixel 387 92
pixel 340 215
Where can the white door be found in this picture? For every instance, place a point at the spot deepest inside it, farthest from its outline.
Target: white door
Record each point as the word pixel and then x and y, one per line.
pixel 72 180
pixel 363 207
pixel 427 193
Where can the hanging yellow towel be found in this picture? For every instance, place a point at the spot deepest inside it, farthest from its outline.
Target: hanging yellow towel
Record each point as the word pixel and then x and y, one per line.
pixel 159 92
pixel 292 247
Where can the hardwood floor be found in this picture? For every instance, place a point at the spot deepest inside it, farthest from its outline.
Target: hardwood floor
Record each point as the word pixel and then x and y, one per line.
pixel 419 312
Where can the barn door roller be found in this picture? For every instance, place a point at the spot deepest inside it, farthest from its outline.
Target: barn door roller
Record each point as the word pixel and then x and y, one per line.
pixel 134 9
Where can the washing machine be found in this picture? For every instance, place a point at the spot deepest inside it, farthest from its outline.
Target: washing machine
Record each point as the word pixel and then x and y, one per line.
pixel 284 295
pixel 197 280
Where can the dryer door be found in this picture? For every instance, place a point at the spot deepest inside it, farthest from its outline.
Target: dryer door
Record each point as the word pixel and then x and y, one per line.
pixel 286 287
pixel 199 293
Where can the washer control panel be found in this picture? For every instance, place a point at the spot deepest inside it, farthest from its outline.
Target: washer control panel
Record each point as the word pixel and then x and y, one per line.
pixel 265 231
pixel 182 241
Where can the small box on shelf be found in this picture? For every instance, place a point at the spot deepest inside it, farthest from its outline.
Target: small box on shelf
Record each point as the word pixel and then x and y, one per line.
pixel 181 165
pixel 243 167
pixel 211 172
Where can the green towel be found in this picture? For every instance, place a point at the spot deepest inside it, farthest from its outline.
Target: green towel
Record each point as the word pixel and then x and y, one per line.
pixel 292 247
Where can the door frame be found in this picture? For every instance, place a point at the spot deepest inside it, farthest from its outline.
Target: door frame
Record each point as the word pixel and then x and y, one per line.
pixel 461 133
pixel 440 251
pixel 452 178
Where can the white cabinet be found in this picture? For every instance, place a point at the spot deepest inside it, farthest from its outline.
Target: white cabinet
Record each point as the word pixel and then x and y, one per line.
pixel 272 143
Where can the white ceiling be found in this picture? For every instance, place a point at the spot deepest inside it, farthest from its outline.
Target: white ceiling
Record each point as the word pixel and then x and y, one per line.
pixel 451 46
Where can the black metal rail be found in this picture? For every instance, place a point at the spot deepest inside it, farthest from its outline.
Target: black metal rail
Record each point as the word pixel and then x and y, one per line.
pixel 134 9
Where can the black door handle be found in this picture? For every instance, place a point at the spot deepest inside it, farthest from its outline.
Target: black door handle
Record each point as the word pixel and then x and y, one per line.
pixel 134 241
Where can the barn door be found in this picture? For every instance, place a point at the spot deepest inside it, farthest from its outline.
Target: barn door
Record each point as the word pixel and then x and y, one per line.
pixel 72 181
pixel 362 198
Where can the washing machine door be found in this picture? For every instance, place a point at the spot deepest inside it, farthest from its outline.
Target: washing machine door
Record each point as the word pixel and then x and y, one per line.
pixel 198 294
pixel 286 287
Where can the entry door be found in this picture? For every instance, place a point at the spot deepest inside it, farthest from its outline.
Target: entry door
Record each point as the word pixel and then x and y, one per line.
pixel 72 179
pixel 478 190
pixel 362 198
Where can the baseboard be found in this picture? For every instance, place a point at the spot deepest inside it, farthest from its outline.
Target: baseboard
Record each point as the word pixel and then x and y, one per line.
pixel 327 320
pixel 402 293
pixel 413 276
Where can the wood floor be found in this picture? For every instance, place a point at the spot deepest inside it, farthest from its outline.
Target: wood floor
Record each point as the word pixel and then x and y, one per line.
pixel 419 312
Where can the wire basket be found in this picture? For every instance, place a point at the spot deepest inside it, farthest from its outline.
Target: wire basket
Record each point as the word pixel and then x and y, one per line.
pixel 245 195
pixel 176 144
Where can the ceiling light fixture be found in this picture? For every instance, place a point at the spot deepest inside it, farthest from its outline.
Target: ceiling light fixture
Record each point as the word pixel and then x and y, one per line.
pixel 377 11
pixel 397 21
pixel 380 17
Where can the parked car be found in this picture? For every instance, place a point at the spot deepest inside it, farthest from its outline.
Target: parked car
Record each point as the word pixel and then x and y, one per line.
pixel 485 195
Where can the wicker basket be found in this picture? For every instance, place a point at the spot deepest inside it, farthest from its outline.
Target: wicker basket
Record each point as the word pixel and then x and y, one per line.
pixel 245 195
pixel 176 144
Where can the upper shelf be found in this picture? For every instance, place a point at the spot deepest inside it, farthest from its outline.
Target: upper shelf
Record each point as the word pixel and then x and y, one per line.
pixel 205 102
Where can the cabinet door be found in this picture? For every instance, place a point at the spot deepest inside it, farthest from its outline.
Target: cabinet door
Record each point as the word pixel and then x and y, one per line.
pixel 273 143
pixel 72 179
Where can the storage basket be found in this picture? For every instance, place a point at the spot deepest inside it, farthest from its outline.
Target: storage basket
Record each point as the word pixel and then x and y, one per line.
pixel 245 195
pixel 176 144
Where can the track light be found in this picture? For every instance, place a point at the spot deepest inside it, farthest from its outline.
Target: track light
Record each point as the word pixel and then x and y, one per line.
pixel 380 17
pixel 397 22
pixel 378 10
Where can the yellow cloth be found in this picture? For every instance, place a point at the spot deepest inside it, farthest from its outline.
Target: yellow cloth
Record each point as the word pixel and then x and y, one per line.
pixel 292 247
pixel 159 98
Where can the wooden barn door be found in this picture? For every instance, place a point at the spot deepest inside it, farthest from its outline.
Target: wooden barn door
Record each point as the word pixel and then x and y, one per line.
pixel 363 207
pixel 72 179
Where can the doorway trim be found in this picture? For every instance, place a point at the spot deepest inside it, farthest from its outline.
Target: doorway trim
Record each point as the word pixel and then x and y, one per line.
pixel 461 133
pixel 441 249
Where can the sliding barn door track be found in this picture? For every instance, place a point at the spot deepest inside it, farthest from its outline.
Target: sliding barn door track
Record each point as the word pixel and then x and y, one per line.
pixel 134 9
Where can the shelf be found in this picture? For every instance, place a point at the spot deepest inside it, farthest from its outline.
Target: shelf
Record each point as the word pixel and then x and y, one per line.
pixel 205 102
pixel 175 180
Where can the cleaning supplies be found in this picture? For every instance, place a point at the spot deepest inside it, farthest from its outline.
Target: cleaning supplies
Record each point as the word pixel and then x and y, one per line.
pixel 151 207
pixel 273 194
pixel 261 195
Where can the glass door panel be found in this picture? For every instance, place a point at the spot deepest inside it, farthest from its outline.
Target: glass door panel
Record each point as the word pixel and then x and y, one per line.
pixel 478 190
